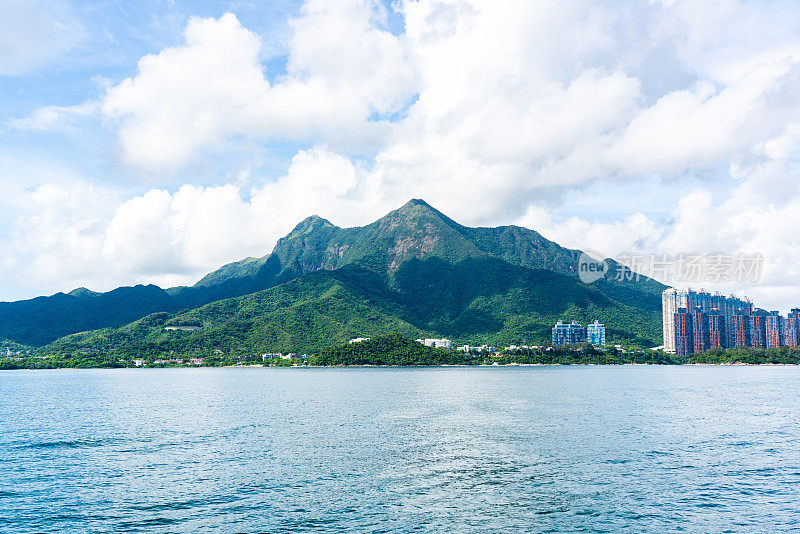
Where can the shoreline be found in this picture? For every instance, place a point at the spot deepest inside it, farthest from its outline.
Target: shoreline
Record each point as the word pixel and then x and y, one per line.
pixel 367 366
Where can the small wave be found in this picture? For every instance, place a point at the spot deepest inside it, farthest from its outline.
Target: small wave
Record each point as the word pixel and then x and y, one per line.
pixel 155 522
pixel 188 504
pixel 63 444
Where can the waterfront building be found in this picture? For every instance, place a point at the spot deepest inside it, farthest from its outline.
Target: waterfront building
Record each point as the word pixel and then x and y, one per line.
pixel 716 330
pixel 596 334
pixel 758 331
pixel 741 331
pixel 735 306
pixel 669 307
pixel 568 334
pixel 728 307
pixel 684 341
pixel 715 321
pixel 793 328
pixel 700 331
pixel 775 330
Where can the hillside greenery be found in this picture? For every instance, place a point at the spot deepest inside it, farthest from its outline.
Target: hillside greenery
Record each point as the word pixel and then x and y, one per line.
pixel 747 355
pixel 475 301
pixel 390 349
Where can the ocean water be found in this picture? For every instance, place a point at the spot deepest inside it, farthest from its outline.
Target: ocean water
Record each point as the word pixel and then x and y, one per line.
pixel 510 449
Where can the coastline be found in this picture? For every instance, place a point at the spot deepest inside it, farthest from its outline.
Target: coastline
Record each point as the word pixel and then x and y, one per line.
pixel 367 366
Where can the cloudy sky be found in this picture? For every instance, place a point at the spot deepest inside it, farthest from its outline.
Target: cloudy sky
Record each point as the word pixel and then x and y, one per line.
pixel 152 141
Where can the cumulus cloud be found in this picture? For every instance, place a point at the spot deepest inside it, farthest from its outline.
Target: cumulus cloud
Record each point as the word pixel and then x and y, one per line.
pixel 342 71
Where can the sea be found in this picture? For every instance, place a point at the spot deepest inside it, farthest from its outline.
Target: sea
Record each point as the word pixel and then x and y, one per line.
pixel 440 449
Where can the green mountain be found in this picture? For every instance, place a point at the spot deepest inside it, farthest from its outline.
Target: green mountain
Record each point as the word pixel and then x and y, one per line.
pixel 414 271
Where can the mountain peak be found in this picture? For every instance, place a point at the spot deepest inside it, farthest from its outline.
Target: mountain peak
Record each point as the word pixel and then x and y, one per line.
pixel 82 292
pixel 416 202
pixel 417 206
pixel 309 224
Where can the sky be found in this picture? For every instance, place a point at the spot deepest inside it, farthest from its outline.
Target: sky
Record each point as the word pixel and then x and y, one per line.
pixel 154 141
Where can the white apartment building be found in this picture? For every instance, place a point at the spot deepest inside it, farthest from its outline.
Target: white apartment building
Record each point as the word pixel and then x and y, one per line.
pixel 442 343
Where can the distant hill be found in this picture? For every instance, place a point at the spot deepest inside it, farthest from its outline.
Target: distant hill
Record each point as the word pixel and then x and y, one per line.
pixel 414 271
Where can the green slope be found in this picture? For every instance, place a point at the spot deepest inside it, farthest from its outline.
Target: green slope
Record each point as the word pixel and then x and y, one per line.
pixel 482 300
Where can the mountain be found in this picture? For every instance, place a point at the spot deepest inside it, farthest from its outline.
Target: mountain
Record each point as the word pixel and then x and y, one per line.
pixel 414 271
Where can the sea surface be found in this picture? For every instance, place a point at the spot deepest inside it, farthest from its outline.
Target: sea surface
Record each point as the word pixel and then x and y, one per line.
pixel 508 449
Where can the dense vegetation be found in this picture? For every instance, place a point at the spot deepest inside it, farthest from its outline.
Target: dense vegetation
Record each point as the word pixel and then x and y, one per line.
pixel 386 349
pixel 586 355
pixel 390 349
pixel 748 355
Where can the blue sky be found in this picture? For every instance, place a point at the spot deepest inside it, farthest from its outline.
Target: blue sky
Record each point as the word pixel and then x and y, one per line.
pixel 151 142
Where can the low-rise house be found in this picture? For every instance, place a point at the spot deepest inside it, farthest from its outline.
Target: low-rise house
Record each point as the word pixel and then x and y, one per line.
pixel 359 339
pixel 442 343
pixel 481 348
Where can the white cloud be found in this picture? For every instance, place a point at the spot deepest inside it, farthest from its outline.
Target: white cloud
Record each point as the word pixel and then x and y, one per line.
pixel 55 117
pixel 342 70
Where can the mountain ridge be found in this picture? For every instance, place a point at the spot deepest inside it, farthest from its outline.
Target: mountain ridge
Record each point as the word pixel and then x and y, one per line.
pixel 415 231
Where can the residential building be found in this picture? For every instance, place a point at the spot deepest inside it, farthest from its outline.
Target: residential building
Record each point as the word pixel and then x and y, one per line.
pixel 741 331
pixel 728 307
pixel 442 343
pixel 596 334
pixel 758 331
pixel 775 330
pixel 735 306
pixel 359 339
pixel 684 340
pixel 793 328
pixel 669 307
pixel 481 348
pixel 701 335
pixel 716 330
pixel 568 334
